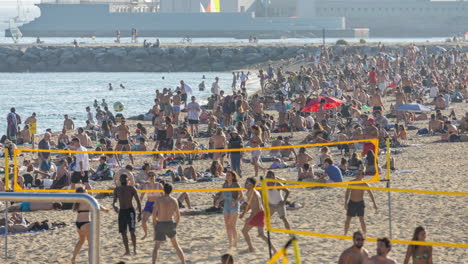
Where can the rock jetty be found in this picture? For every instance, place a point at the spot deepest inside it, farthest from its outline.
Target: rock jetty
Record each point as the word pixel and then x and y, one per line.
pixel 197 58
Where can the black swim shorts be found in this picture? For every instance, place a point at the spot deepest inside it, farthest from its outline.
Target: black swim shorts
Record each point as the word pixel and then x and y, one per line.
pixel 127 218
pixel 165 229
pixel 122 142
pixel 193 121
pixel 355 208
pixel 77 178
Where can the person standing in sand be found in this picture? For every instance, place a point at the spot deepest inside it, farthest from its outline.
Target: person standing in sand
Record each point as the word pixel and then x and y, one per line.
pixel 81 169
pixel 383 248
pixel 167 215
pixel 355 254
pixel 231 206
pixel 193 116
pixel 151 184
pixel 419 254
pixel 219 142
pixel 125 195
pixel 68 123
pixel 176 102
pixel 82 223
pixel 257 216
pixel 123 132
pixel 354 203
pixel 277 201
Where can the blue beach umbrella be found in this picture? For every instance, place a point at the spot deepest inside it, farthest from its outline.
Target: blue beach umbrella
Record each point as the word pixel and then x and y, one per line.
pixel 413 108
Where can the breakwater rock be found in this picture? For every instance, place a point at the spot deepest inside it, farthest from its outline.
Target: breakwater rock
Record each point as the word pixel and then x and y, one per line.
pixel 196 58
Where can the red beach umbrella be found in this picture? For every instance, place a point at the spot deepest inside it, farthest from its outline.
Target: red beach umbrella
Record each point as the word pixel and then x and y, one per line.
pixel 314 104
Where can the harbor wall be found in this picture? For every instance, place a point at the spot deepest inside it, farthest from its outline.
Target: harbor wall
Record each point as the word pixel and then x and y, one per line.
pixel 177 58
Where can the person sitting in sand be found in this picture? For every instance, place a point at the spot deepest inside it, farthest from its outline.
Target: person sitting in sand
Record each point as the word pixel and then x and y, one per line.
pixel 302 158
pixel 185 175
pixel 128 171
pixel 217 169
pixel 332 171
pixel 227 259
pixel 306 173
pixel 257 216
pixel 451 130
pixel 324 154
pixel 85 140
pixel 62 178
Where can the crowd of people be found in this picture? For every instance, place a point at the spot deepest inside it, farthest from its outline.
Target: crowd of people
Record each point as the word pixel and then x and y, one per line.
pixel 272 117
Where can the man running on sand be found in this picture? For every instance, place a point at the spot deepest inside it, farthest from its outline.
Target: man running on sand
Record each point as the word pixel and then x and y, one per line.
pixel 125 195
pixel 167 215
pixel 355 254
pixel 257 216
pixel 354 203
pixel 383 248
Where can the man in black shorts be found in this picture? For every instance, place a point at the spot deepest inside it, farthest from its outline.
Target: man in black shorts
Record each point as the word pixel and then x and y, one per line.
pixel 81 168
pixel 125 195
pixel 167 217
pixel 354 203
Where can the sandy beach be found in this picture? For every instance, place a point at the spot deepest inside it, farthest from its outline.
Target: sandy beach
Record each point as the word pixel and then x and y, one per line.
pixel 425 164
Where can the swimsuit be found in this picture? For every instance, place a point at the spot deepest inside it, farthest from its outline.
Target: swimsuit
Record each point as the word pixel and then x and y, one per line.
pixel 80 224
pixel 164 229
pixel 148 206
pixel 122 142
pixel 424 256
pixel 127 218
pixel 355 208
pixel 258 220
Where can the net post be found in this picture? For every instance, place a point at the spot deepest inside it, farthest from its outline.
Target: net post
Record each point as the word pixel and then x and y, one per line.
pixel 297 253
pixel 267 214
pixel 388 160
pixel 15 170
pixel 7 170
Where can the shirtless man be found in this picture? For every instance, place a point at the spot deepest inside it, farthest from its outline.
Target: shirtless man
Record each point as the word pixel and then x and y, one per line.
pixel 435 125
pixel 219 142
pixel 68 124
pixel 400 97
pixel 176 102
pixel 167 217
pixel 83 137
pixel 376 100
pixel 298 122
pixel 123 132
pixel 257 216
pixel 276 143
pixel 355 254
pixel 383 248
pixel 125 195
pixel 370 132
pixel 286 153
pixel 354 203
pixel 258 110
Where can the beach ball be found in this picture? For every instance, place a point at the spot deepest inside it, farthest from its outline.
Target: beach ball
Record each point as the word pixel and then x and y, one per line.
pixel 118 107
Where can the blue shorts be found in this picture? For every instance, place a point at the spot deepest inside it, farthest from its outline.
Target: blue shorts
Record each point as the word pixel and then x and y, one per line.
pixel 230 210
pixel 25 207
pixel 148 207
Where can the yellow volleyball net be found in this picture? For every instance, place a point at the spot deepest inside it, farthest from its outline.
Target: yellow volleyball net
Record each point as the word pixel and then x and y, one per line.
pixel 17 188
pixel 333 187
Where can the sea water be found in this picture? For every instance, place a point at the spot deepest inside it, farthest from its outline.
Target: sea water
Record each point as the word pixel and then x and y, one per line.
pixel 51 95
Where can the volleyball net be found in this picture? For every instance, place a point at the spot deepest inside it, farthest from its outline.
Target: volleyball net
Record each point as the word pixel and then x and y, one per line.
pixel 356 144
pixel 332 187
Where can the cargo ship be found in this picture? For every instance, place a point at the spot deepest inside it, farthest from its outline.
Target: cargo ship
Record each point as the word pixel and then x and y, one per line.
pixel 242 18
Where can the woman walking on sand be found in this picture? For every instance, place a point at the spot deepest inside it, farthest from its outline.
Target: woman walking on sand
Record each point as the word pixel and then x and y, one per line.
pixel 82 223
pixel 151 184
pixel 419 254
pixel 231 206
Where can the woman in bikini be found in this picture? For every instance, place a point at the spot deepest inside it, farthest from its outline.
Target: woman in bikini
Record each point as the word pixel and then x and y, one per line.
pixel 82 223
pixel 255 142
pixel 419 254
pixel 152 196
pixel 231 206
